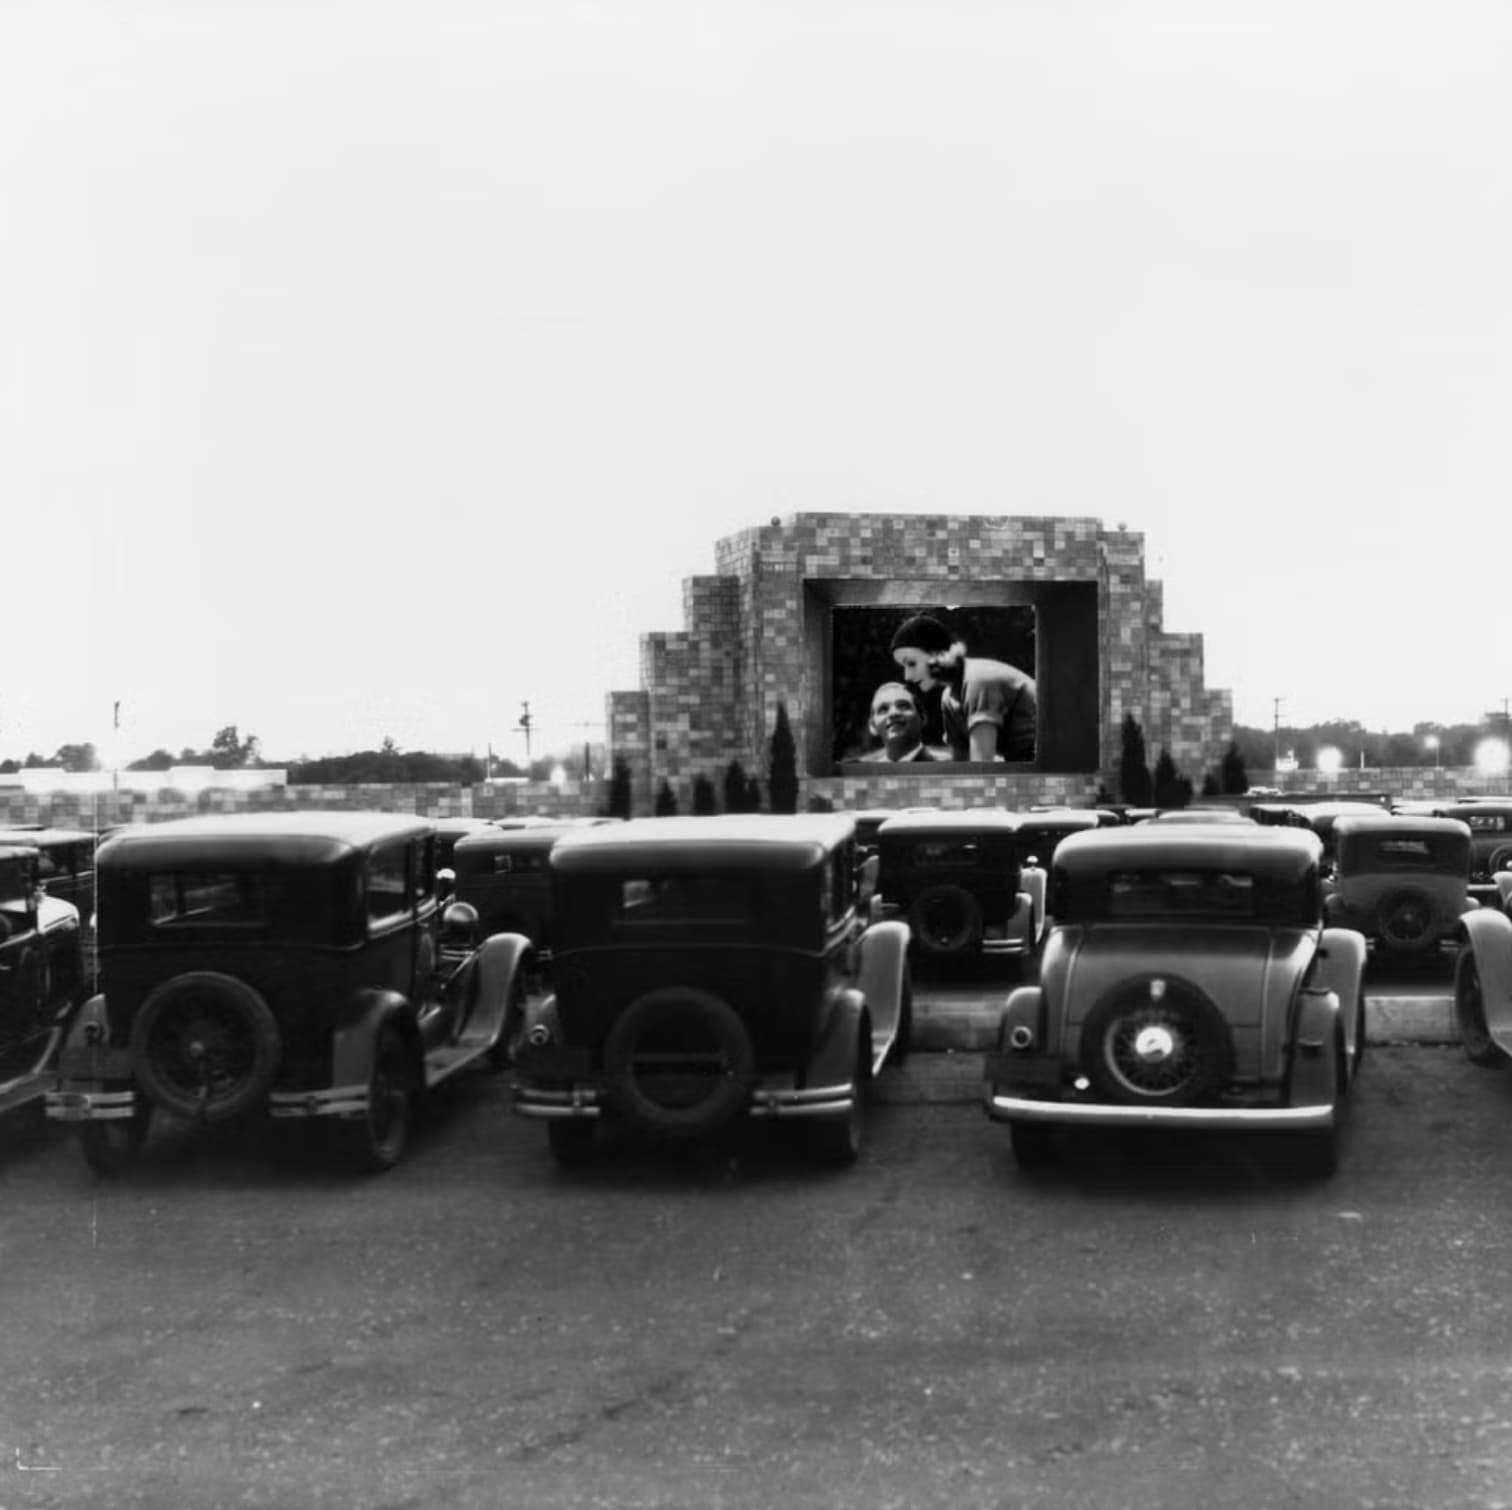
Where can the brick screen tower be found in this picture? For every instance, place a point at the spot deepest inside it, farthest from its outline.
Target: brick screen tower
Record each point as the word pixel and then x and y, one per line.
pixel 758 633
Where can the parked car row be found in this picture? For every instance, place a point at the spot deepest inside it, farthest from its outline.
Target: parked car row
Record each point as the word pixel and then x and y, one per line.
pixel 682 975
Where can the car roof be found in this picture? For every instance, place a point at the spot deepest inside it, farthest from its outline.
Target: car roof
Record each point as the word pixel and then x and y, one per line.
pixel 1398 823
pixel 953 821
pixel 459 825
pixel 1071 819
pixel 287 837
pixel 1216 846
pixel 493 840
pixel 1198 815
pixel 42 833
pixel 789 842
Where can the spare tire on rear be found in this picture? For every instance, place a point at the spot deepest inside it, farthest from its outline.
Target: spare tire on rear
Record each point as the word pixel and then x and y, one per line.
pixel 1156 1041
pixel 679 1061
pixel 1406 920
pixel 205 1045
pixel 946 920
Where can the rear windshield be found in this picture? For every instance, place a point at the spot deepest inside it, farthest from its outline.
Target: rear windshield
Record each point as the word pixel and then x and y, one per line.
pixel 648 901
pixel 949 853
pixel 1167 894
pixel 1146 893
pixel 1418 852
pixel 207 898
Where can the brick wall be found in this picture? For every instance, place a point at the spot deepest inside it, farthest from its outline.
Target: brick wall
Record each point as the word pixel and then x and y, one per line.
pixel 711 689
pixel 431 799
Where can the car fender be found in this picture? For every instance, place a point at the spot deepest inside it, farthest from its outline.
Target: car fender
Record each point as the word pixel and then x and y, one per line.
pixel 1503 879
pixel 833 1061
pixel 1024 1009
pixel 487 979
pixel 90 1027
pixel 362 1017
pixel 1488 935
pixel 882 958
pixel 1315 1076
pixel 1032 884
pixel 1340 968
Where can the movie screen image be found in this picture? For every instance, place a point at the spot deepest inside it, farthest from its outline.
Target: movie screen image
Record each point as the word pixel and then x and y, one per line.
pixel 929 683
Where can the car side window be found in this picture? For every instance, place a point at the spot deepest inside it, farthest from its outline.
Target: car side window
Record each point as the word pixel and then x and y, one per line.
pixel 386 882
pixel 425 869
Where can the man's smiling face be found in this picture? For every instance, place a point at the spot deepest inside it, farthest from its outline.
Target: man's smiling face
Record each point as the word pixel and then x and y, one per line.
pixel 895 719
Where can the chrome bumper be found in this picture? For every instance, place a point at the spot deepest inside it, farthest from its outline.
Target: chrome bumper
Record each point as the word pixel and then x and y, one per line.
pixel 1002 1108
pixel 1006 946
pixel 337 1101
pixel 91 1106
pixel 585 1101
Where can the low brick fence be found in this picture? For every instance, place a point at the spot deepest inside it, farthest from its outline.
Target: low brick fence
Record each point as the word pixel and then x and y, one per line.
pixel 430 799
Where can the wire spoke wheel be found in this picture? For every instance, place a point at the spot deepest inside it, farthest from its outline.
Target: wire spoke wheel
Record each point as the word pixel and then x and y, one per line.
pixel 1156 1042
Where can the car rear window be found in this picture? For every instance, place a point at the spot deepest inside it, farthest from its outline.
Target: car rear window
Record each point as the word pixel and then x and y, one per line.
pixel 1406 853
pixel 1485 823
pixel 1153 893
pixel 519 865
pixel 658 900
pixel 207 898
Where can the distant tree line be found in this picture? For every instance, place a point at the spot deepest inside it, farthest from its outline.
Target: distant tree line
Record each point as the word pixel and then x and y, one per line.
pixel 1455 743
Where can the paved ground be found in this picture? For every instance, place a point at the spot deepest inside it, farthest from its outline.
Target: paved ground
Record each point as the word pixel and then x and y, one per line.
pixel 1158 1323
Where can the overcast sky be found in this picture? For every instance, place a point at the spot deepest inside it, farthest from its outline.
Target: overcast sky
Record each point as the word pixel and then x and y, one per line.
pixel 368 366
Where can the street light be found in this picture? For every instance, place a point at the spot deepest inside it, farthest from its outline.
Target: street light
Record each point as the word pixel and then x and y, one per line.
pixel 1328 760
pixel 1432 741
pixel 1493 756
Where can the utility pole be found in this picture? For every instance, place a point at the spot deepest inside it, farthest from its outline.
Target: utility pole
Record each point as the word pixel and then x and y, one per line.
pixel 1276 733
pixel 115 752
pixel 525 725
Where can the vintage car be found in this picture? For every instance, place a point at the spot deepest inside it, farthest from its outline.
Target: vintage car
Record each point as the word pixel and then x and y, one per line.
pixel 957 879
pixel 1490 825
pixel 1188 981
pixel 65 862
pixel 501 874
pixel 709 969
pixel 1041 830
pixel 1402 882
pixel 451 831
pixel 281 964
pixel 41 975
pixel 1320 817
pixel 868 821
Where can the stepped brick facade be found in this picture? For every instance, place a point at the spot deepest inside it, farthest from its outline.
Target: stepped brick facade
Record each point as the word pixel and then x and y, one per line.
pixel 709 692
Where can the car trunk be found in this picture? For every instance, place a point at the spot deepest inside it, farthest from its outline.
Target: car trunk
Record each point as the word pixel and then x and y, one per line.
pixel 776 992
pixel 1251 974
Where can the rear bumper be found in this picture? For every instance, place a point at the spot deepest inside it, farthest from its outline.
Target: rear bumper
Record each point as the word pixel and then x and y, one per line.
pixel 75 1103
pixel 1003 1108
pixel 1008 946
pixel 586 1100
